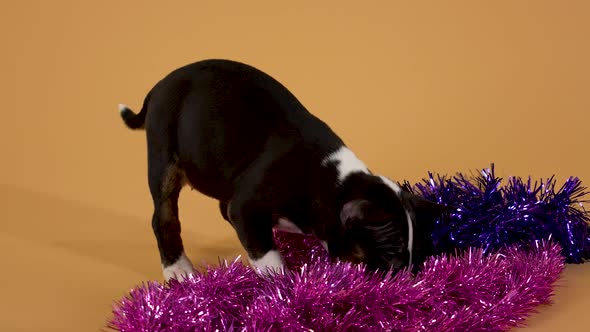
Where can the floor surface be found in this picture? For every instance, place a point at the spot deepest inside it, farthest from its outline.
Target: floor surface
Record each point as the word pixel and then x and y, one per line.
pixel 66 263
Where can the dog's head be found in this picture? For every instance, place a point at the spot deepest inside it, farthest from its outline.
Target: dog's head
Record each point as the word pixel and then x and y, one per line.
pixel 383 226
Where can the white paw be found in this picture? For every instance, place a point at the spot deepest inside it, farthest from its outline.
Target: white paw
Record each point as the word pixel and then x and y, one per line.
pixel 180 270
pixel 271 262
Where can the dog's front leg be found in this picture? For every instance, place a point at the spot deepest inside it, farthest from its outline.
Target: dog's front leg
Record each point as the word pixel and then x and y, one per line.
pixel 253 226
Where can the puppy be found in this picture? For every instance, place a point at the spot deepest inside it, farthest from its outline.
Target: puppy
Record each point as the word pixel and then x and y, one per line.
pixel 235 134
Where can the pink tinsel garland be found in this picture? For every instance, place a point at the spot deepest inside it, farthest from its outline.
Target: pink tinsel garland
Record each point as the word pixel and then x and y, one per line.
pixel 466 292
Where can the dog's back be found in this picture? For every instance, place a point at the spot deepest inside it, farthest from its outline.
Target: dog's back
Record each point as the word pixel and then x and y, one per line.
pixel 217 116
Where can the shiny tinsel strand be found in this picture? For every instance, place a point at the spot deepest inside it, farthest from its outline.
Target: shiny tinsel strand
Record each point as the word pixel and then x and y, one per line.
pixel 498 256
pixel 469 291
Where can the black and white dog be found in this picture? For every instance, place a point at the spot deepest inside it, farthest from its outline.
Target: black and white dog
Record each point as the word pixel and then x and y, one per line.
pixel 237 135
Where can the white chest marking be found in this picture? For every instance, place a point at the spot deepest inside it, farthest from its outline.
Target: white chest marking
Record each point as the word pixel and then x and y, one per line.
pixel 396 188
pixel 325 245
pixel 346 163
pixel 286 225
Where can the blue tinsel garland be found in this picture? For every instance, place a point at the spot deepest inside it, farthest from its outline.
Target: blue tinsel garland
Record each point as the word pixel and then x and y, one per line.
pixel 489 216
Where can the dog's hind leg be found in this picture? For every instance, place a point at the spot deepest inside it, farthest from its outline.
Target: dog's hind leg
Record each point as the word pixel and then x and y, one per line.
pixel 165 181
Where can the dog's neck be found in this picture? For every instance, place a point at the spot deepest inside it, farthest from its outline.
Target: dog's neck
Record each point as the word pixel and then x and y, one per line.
pixel 346 163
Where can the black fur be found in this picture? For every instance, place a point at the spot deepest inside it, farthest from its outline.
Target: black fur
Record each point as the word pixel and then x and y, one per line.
pixel 239 136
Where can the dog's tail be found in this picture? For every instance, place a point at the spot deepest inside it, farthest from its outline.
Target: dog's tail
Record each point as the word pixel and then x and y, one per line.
pixel 131 119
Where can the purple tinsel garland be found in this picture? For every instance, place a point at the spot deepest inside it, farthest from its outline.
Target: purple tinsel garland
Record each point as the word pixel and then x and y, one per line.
pixel 487 289
pixel 489 216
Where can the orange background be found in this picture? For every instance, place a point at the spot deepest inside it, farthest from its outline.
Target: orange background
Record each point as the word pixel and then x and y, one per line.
pixel 450 85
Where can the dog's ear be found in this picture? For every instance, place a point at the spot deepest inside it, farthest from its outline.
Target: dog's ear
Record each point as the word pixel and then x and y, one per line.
pixel 358 212
pixel 370 201
pixel 353 211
